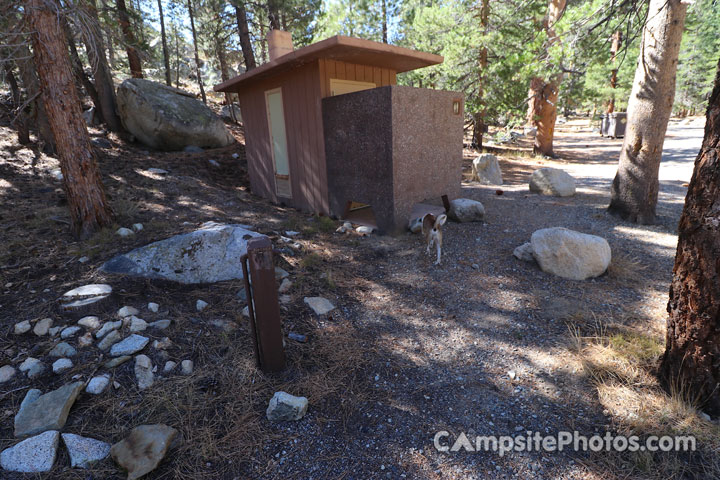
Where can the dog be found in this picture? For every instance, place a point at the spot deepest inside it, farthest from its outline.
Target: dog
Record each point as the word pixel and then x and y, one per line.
pixel 432 230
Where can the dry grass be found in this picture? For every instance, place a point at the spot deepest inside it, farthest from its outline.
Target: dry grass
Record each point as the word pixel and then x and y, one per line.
pixel 621 364
pixel 220 409
pixel 626 268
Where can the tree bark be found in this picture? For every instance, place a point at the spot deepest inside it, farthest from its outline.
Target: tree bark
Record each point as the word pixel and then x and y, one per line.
pixel 542 113
pixel 479 117
pixel 89 209
pixel 274 14
pixel 20 121
pixel 104 84
pixel 244 34
pixel 197 57
pixel 385 22
pixel 542 105
pixel 132 53
pixel 166 54
pixel 690 365
pixel 614 48
pixel 635 187
pixel 37 113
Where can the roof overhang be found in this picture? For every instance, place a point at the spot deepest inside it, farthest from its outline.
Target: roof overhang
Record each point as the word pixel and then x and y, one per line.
pixel 345 49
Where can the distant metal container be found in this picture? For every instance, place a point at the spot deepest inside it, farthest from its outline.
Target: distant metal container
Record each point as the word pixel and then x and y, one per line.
pixel 613 124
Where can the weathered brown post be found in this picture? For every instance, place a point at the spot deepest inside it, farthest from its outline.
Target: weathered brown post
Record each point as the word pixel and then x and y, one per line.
pixel 263 305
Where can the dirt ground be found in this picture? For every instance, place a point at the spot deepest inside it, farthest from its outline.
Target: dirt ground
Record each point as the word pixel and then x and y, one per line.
pixel 482 344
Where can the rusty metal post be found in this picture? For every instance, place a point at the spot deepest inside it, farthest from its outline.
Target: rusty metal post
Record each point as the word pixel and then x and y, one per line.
pixel 263 305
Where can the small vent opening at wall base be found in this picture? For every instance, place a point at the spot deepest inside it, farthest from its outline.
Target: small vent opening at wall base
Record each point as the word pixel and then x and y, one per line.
pixel 360 214
pixel 282 186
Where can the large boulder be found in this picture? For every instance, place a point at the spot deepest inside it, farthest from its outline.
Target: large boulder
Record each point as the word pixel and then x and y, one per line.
pixel 552 181
pixel 486 169
pixel 466 210
pixel 570 254
pixel 226 112
pixel 166 118
pixel 210 254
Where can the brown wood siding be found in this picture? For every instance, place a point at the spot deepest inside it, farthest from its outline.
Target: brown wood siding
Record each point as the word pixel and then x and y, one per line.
pixel 303 126
pixel 381 77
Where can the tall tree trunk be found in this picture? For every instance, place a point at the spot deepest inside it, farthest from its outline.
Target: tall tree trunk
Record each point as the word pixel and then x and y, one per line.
pixel 635 187
pixel 132 53
pixel 224 73
pixel 197 57
pixel 263 44
pixel 177 57
pixel 37 114
pixel 166 54
pixel 479 117
pixel 614 48
pixel 690 364
pixel 89 209
pixel 78 69
pixel 542 105
pixel 244 34
pixel 20 121
pixel 274 14
pixel 384 22
pixel 104 84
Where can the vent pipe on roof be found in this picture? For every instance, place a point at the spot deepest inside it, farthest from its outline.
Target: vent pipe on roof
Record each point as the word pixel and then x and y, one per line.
pixel 279 43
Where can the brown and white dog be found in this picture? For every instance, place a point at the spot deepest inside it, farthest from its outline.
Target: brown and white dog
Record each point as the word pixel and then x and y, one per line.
pixel 432 230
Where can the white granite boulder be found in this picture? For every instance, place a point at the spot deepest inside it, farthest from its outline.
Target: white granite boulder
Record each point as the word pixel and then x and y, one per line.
pixel 570 254
pixel 552 181
pixel 210 254
pixel 284 407
pixel 466 210
pixel 486 169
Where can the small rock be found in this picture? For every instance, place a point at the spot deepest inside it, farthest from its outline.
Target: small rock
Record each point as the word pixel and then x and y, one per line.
pixel 157 171
pixel 69 332
pixel 225 325
pixel 143 449
pixel 242 295
pixel 292 233
pixel 53 331
pixel 42 327
pixel 160 324
pixel 22 327
pixel 137 227
pixel 169 366
pixel 127 312
pixel 705 416
pixel 36 454
pixel 82 297
pixel 297 337
pixel 137 324
pixel 124 232
pixel 63 349
pixel 524 252
pixel 116 362
pixel 132 344
pixel 84 259
pixel 284 407
pixel 110 339
pixel 280 273
pixel 192 149
pixel 143 372
pixel 7 372
pixel 186 367
pixel 62 364
pixel 90 322
pixel 162 344
pixel 214 163
pixel 246 311
pixel 85 451
pixel 32 366
pixel 235 156
pixel 512 374
pixel 284 299
pixel 466 210
pixel 108 327
pixel 319 305
pixel 285 286
pixel 86 340
pixel 97 385
pixel 39 413
pixel 200 305
pixel 153 307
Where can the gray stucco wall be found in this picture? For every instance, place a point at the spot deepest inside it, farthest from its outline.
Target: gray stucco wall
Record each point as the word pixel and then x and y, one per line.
pixel 392 147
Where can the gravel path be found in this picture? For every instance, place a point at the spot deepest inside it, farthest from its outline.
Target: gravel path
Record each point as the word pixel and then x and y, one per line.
pixel 481 344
